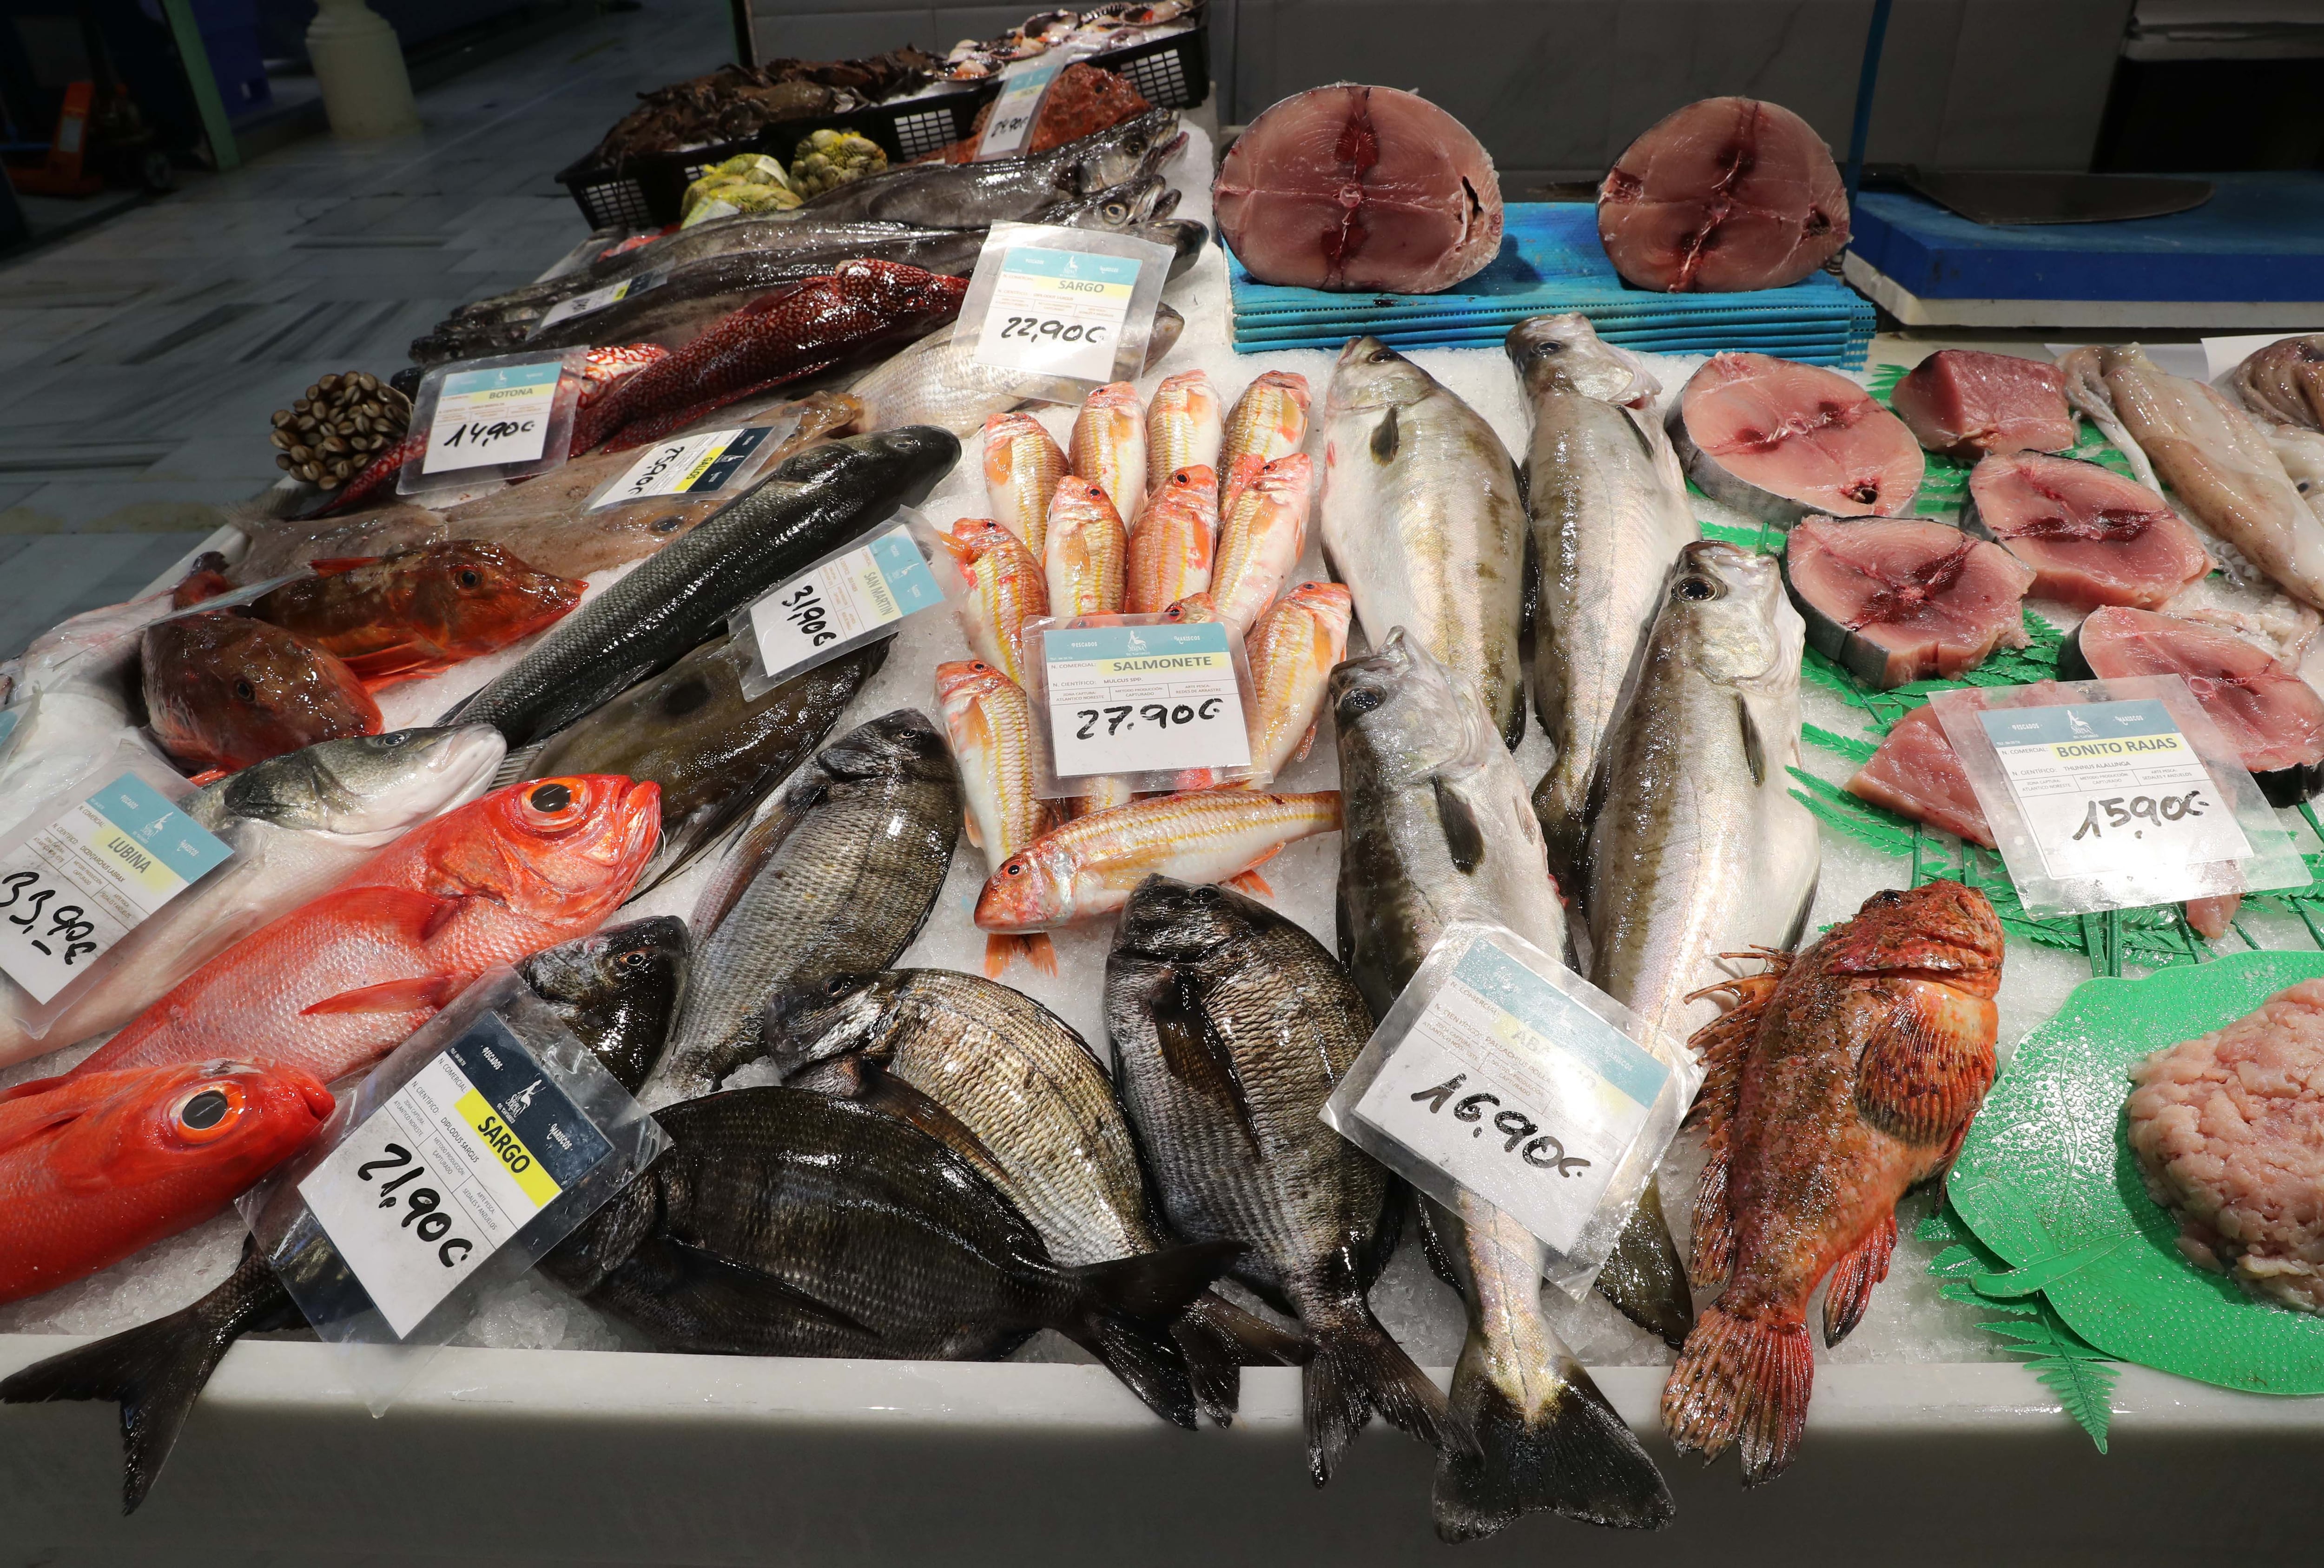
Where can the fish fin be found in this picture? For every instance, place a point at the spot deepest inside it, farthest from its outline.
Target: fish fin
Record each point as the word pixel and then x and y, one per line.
pixel 332 565
pixel 26 1122
pixel 1724 1044
pixel 1741 1380
pixel 156 1370
pixel 206 777
pixel 1251 882
pixel 1126 1308
pixel 1464 839
pixel 750 852
pixel 1850 1290
pixel 1562 1451
pixel 516 767
pixel 1194 1053
pixel 1356 1370
pixel 1306 743
pixel 405 912
pixel 391 996
pixel 1037 949
pixel 1917 1078
pixel 1433 1247
pixel 1755 748
pixel 1385 437
pixel 1219 1339
pixel 968 826
pixel 1643 1276
pixel 857 1077
pixel 1343 931
pixel 397 661
pixel 711 1278
pixel 1714 1231
pixel 31 1087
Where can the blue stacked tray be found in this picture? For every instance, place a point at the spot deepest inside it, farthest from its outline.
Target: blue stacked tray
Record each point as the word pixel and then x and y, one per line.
pixel 1551 262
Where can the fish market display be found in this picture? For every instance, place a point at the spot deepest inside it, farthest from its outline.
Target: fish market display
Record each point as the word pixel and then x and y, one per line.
pixel 1842 1079
pixel 1108 446
pixel 775 339
pixel 1421 519
pixel 1966 403
pixel 1004 190
pixel 1086 552
pixel 937 381
pixel 990 722
pixel 1779 441
pixel 807 507
pixel 326 436
pixel 738 101
pixel 1040 1119
pixel 1169 546
pixel 1916 773
pixel 1263 538
pixel 1609 514
pixel 1268 420
pixel 1183 429
pixel 1114 26
pixel 1699 849
pixel 418 612
pixel 294 825
pixel 1899 600
pixel 2092 536
pixel 2272 717
pixel 1359 189
pixel 339 981
pixel 1231 1027
pixel 1291 650
pixel 1022 465
pixel 835 880
pixel 2227 1128
pixel 1084 100
pixel 715 752
pixel 1725 194
pixel 784 1223
pixel 95 1166
pixel 224 691
pixel 1090 866
pixel 617 990
pixel 2214 456
pixel 2284 381
pixel 1007 586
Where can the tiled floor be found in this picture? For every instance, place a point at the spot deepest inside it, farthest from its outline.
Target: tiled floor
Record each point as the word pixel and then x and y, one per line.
pixel 139 361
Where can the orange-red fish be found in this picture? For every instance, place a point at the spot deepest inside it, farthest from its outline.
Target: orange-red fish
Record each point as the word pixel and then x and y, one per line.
pixel 416 611
pixel 1292 649
pixel 1261 540
pixel 1269 420
pixel 337 982
pixel 1841 1079
pixel 1022 465
pixel 1086 550
pixel 1170 543
pixel 223 691
pixel 1182 431
pixel 991 723
pixel 1007 588
pixel 1194 609
pixel 1109 445
pixel 95 1167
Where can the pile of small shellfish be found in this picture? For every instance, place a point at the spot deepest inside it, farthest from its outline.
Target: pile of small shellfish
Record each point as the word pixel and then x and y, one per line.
pixel 334 431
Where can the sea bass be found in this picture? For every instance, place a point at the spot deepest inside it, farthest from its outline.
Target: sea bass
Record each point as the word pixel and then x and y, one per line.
pixel 1022 465
pixel 1422 521
pixel 1108 446
pixel 1007 586
pixel 295 826
pixel 1609 512
pixel 1231 1027
pixel 938 382
pixel 1087 549
pixel 1261 537
pixel 1699 848
pixel 990 722
pixel 1292 651
pixel 418 612
pixel 1183 430
pixel 1844 1078
pixel 1170 543
pixel 836 880
pixel 341 981
pixel 224 691
pixel 1267 421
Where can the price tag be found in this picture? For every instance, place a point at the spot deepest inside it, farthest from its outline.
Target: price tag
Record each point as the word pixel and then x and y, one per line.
pixel 484 418
pixel 1057 312
pixel 1517 1092
pixel 689 465
pixel 88 879
pixel 453 1165
pixel 598 299
pixel 2100 783
pixel 822 613
pixel 1138 699
pixel 1024 83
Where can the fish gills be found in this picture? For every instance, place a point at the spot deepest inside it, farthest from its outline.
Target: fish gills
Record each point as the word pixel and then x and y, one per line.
pixel 1022 465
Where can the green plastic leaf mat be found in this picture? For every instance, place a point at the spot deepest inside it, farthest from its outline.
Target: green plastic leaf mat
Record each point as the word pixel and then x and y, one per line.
pixel 2078 1372
pixel 2047 1183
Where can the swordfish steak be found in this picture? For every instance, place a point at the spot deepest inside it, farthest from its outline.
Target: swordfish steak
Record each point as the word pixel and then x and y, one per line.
pixel 2092 536
pixel 1898 599
pixel 1778 440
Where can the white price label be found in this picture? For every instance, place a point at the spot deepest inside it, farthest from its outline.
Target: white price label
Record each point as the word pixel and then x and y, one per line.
pixel 688 466
pixel 862 591
pixel 2106 783
pixel 598 299
pixel 455 1163
pixel 91 876
pixel 1057 312
pixel 1023 85
pixel 1140 699
pixel 489 417
pixel 1517 1092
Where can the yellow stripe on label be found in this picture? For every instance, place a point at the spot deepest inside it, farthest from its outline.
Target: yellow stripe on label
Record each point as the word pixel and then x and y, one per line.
pixel 134 860
pixel 700 465
pixel 1161 663
pixel 500 1142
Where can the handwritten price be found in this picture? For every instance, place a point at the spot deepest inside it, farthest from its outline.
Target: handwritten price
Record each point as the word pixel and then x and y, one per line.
pixel 2155 809
pixel 1543 1153
pixel 478 434
pixel 426 1218
pixel 68 923
pixel 804 608
pixel 1161 715
pixel 1033 328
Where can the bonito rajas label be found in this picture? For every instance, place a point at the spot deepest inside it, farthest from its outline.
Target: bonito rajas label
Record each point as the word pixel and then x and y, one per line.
pixel 2102 783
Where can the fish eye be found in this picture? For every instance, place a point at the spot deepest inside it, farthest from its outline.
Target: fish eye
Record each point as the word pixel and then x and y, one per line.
pixel 1362 700
pixel 1014 869
pixel 470 577
pixel 635 958
pixel 551 798
pixel 837 985
pixel 243 689
pixel 1697 589
pixel 1115 212
pixel 1381 355
pixel 209 1113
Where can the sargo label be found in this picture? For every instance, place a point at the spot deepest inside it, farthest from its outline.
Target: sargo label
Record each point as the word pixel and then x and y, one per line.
pixel 689 465
pixel 1057 313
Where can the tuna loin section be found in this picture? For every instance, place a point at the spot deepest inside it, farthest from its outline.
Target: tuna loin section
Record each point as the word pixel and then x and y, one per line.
pixel 1358 188
pixel 2273 718
pixel 1723 195
pixel 2092 536
pixel 1966 404
pixel 1894 600
pixel 1780 441
pixel 1916 773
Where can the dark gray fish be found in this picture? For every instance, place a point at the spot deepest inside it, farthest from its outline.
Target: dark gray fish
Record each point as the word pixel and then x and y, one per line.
pixel 1005 190
pixel 809 506
pixel 830 886
pixel 1019 1093
pixel 617 990
pixel 1231 1027
pixel 716 754
pixel 782 1222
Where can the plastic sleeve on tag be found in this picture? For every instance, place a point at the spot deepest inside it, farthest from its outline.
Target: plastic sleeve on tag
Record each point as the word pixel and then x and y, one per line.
pixel 857 593
pixel 707 463
pixel 1057 313
pixel 507 417
pixel 1159 704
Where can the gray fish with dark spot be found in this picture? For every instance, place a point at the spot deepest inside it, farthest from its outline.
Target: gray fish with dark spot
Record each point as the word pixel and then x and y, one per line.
pixel 617 990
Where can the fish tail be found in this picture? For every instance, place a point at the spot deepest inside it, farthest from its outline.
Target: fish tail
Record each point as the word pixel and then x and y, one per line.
pixel 1551 1445
pixel 1219 1339
pixel 1741 1380
pixel 1643 1276
pixel 1037 949
pixel 1356 1370
pixel 157 1369
pixel 1126 1309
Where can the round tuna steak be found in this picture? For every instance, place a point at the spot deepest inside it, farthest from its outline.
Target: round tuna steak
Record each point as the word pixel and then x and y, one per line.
pixel 1899 599
pixel 1723 195
pixel 2092 536
pixel 1779 441
pixel 1358 188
